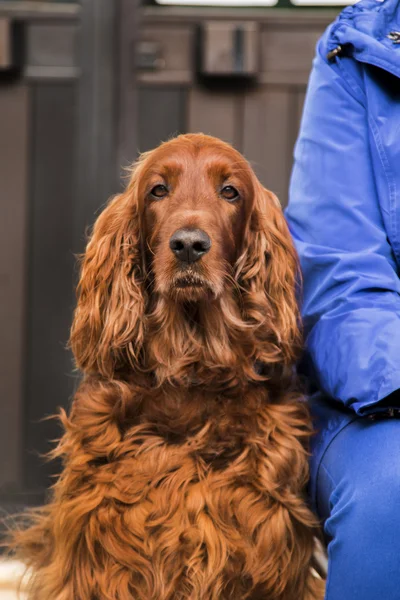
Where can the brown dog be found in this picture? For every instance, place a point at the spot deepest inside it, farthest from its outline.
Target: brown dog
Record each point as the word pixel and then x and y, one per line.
pixel 184 453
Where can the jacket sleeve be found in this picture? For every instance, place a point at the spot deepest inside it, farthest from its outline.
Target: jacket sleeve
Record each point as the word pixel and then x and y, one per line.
pixel 351 301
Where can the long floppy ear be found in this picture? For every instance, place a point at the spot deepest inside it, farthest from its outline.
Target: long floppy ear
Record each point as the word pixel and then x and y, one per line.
pixel 269 274
pixel 108 327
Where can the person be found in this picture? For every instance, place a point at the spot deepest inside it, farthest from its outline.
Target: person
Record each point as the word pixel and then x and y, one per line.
pixel 344 215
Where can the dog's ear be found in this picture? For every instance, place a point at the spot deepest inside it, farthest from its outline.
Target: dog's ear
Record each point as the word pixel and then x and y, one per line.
pixel 268 272
pixel 108 327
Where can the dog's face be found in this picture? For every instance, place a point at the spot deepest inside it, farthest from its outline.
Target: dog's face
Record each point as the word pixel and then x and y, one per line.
pixel 196 202
pixel 191 264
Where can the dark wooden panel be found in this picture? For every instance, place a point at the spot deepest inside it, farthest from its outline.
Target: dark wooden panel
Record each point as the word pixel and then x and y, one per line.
pixel 285 51
pixel 51 51
pixel 51 45
pixel 5 44
pixel 41 11
pixel 278 18
pixel 13 219
pixel 217 113
pixel 296 110
pixel 97 148
pixel 296 102
pixel 290 50
pixel 128 94
pixel 176 44
pixel 267 134
pixel 49 381
pixel 162 113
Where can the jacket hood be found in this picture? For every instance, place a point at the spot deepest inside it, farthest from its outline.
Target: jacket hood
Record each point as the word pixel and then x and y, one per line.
pixel 370 32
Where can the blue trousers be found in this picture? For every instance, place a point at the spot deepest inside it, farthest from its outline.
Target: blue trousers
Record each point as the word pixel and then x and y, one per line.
pixel 355 486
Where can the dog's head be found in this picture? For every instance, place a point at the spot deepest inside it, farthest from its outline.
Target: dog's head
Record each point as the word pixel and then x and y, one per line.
pixel 194 228
pixel 198 194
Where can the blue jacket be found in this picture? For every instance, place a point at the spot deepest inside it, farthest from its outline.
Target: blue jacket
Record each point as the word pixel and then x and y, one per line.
pixel 344 209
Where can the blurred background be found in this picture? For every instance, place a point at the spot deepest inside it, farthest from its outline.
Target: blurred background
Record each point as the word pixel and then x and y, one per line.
pixel 84 87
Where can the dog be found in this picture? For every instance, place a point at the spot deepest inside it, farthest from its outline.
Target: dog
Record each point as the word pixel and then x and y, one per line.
pixel 185 449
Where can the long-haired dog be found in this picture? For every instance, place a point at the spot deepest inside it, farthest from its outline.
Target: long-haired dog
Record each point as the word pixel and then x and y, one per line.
pixel 185 450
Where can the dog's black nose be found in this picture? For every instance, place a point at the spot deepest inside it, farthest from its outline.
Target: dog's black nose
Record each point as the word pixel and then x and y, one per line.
pixel 189 245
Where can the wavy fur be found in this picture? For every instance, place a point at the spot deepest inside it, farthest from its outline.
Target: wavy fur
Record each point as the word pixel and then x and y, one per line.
pixel 185 451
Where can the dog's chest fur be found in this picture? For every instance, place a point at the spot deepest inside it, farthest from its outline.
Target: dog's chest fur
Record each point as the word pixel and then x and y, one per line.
pixel 200 496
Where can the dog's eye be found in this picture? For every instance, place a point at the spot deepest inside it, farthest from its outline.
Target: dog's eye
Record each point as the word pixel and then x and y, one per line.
pixel 229 193
pixel 159 191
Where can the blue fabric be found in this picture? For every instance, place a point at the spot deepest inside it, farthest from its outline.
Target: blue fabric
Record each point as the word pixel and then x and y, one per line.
pixel 344 215
pixel 344 209
pixel 356 493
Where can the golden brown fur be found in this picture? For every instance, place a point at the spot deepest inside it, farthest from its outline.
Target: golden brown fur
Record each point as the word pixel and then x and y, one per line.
pixel 185 451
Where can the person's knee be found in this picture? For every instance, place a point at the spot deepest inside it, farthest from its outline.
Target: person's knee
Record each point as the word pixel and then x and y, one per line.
pixel 359 492
pixel 364 539
pixel 362 472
